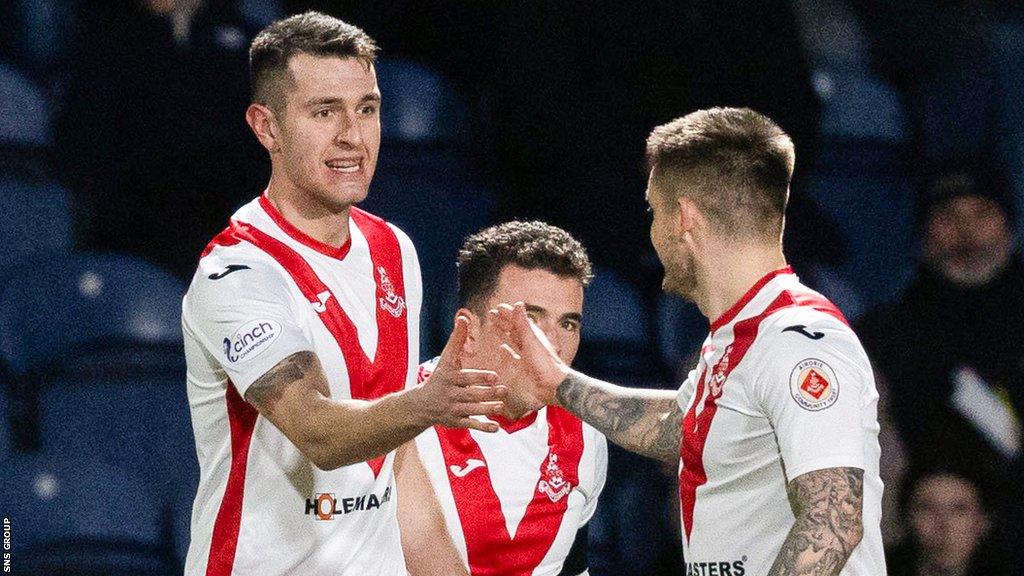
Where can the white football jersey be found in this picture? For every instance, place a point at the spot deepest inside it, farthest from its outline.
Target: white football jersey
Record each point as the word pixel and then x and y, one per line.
pixel 782 388
pixel 263 291
pixel 514 500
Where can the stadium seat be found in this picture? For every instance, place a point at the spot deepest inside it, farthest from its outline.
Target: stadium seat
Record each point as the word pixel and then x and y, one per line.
pixel 856 104
pixel 73 515
pixel 89 314
pixel 421 107
pixel 24 110
pixel 864 186
pixel 615 343
pixel 36 220
pixel 143 426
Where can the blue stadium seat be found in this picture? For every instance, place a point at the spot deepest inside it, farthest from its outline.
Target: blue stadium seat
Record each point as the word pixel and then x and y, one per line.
pixel 36 220
pixel 615 343
pixel 865 187
pixel 73 515
pixel 142 425
pixel 856 104
pixel 421 107
pixel 24 110
pixel 89 313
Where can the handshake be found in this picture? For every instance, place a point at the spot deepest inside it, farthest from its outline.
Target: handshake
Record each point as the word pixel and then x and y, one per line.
pixel 500 364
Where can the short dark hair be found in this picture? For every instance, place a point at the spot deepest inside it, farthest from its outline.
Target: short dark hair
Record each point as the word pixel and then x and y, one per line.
pixel 530 245
pixel 311 33
pixel 734 163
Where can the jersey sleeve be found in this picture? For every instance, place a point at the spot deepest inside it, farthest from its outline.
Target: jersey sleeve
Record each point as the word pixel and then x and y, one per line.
pixel 246 319
pixel 687 390
pixel 600 445
pixel 812 383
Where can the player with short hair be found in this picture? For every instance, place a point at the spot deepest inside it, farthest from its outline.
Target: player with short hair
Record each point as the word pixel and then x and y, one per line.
pixel 775 432
pixel 518 501
pixel 301 335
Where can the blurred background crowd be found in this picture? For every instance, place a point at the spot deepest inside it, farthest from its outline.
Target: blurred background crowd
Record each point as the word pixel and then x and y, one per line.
pixel 123 150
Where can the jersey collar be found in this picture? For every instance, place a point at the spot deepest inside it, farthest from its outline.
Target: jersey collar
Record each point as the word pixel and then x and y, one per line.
pixel 731 313
pixel 511 426
pixel 300 236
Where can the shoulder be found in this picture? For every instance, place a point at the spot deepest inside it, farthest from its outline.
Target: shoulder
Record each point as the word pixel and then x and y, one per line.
pixel 799 332
pixel 236 273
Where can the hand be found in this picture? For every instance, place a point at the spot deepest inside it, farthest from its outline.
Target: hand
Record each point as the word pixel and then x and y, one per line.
pixel 530 363
pixel 452 394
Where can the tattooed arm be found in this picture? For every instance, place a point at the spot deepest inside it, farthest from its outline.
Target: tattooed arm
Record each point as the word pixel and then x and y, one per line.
pixel 648 422
pixel 295 397
pixel 828 507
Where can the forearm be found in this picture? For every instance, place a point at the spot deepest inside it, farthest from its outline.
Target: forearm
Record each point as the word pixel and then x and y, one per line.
pixel 648 422
pixel 351 431
pixel 828 524
pixel 426 543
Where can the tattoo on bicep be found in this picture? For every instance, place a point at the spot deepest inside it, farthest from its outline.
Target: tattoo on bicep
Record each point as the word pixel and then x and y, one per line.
pixel 292 369
pixel 828 505
pixel 642 424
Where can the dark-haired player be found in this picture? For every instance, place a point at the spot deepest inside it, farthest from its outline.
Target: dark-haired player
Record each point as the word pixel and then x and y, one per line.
pixel 518 502
pixel 301 335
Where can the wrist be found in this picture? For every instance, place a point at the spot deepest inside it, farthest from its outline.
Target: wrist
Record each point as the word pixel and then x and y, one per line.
pixel 416 407
pixel 557 379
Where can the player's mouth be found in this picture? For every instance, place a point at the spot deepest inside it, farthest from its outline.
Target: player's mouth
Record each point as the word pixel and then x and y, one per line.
pixel 345 166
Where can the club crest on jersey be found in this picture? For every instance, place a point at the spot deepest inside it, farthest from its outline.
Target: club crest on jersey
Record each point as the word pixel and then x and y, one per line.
pixel 391 302
pixel 552 482
pixel 813 385
pixel 719 373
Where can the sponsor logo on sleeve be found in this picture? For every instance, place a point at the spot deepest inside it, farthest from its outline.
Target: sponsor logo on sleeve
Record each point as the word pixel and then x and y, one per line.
pixel 813 385
pixel 251 340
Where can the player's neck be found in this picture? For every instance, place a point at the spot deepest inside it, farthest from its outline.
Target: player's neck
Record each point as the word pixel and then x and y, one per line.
pixel 726 279
pixel 321 223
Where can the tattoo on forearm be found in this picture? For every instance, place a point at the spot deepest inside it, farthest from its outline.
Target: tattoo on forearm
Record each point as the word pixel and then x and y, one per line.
pixel 828 505
pixel 646 425
pixel 292 369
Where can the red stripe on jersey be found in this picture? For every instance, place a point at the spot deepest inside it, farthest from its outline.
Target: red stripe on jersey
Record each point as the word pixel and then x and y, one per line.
pixel 299 236
pixel 696 427
pixel 387 373
pixel 490 548
pixel 226 237
pixel 242 419
pixel 747 297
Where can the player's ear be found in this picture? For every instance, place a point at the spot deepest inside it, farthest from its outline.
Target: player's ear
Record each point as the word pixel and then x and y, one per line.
pixel 263 124
pixel 472 344
pixel 685 217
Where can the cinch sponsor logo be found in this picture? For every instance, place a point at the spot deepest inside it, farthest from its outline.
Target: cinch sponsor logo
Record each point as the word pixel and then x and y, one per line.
pixel 716 568
pixel 325 506
pixel 251 339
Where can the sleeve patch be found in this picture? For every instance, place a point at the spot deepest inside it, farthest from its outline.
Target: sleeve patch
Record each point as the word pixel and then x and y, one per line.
pixel 252 339
pixel 813 385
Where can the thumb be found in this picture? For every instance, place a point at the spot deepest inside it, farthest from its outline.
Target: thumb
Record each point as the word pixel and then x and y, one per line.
pixel 450 354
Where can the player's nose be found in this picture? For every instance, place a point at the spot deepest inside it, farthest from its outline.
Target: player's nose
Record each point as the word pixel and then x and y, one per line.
pixel 349 131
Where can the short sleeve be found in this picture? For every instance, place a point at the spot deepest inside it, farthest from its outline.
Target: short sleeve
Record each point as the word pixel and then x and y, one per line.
pixel 246 319
pixel 687 390
pixel 600 473
pixel 812 386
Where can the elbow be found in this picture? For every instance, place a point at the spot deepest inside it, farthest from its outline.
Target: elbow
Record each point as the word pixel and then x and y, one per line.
pixel 852 536
pixel 322 454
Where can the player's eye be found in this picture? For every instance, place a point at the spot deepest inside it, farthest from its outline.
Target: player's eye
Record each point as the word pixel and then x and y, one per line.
pixel 571 325
pixel 322 113
pixel 368 110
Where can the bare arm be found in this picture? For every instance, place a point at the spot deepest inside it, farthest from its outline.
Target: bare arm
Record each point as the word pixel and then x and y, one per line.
pixel 295 397
pixel 828 505
pixel 648 422
pixel 428 547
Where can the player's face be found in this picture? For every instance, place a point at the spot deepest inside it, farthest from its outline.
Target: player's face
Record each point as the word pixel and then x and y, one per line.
pixel 553 302
pixel 947 520
pixel 968 240
pixel 330 129
pixel 668 243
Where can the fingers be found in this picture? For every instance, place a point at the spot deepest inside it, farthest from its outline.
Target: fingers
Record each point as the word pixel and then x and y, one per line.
pixel 512 354
pixel 482 425
pixel 460 331
pixel 480 393
pixel 470 377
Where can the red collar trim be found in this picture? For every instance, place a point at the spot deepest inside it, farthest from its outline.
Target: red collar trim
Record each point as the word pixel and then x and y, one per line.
pixel 731 313
pixel 511 426
pixel 300 236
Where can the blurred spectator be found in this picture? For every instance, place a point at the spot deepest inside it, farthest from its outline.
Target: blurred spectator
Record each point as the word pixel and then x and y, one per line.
pixel 948 529
pixel 152 138
pixel 950 348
